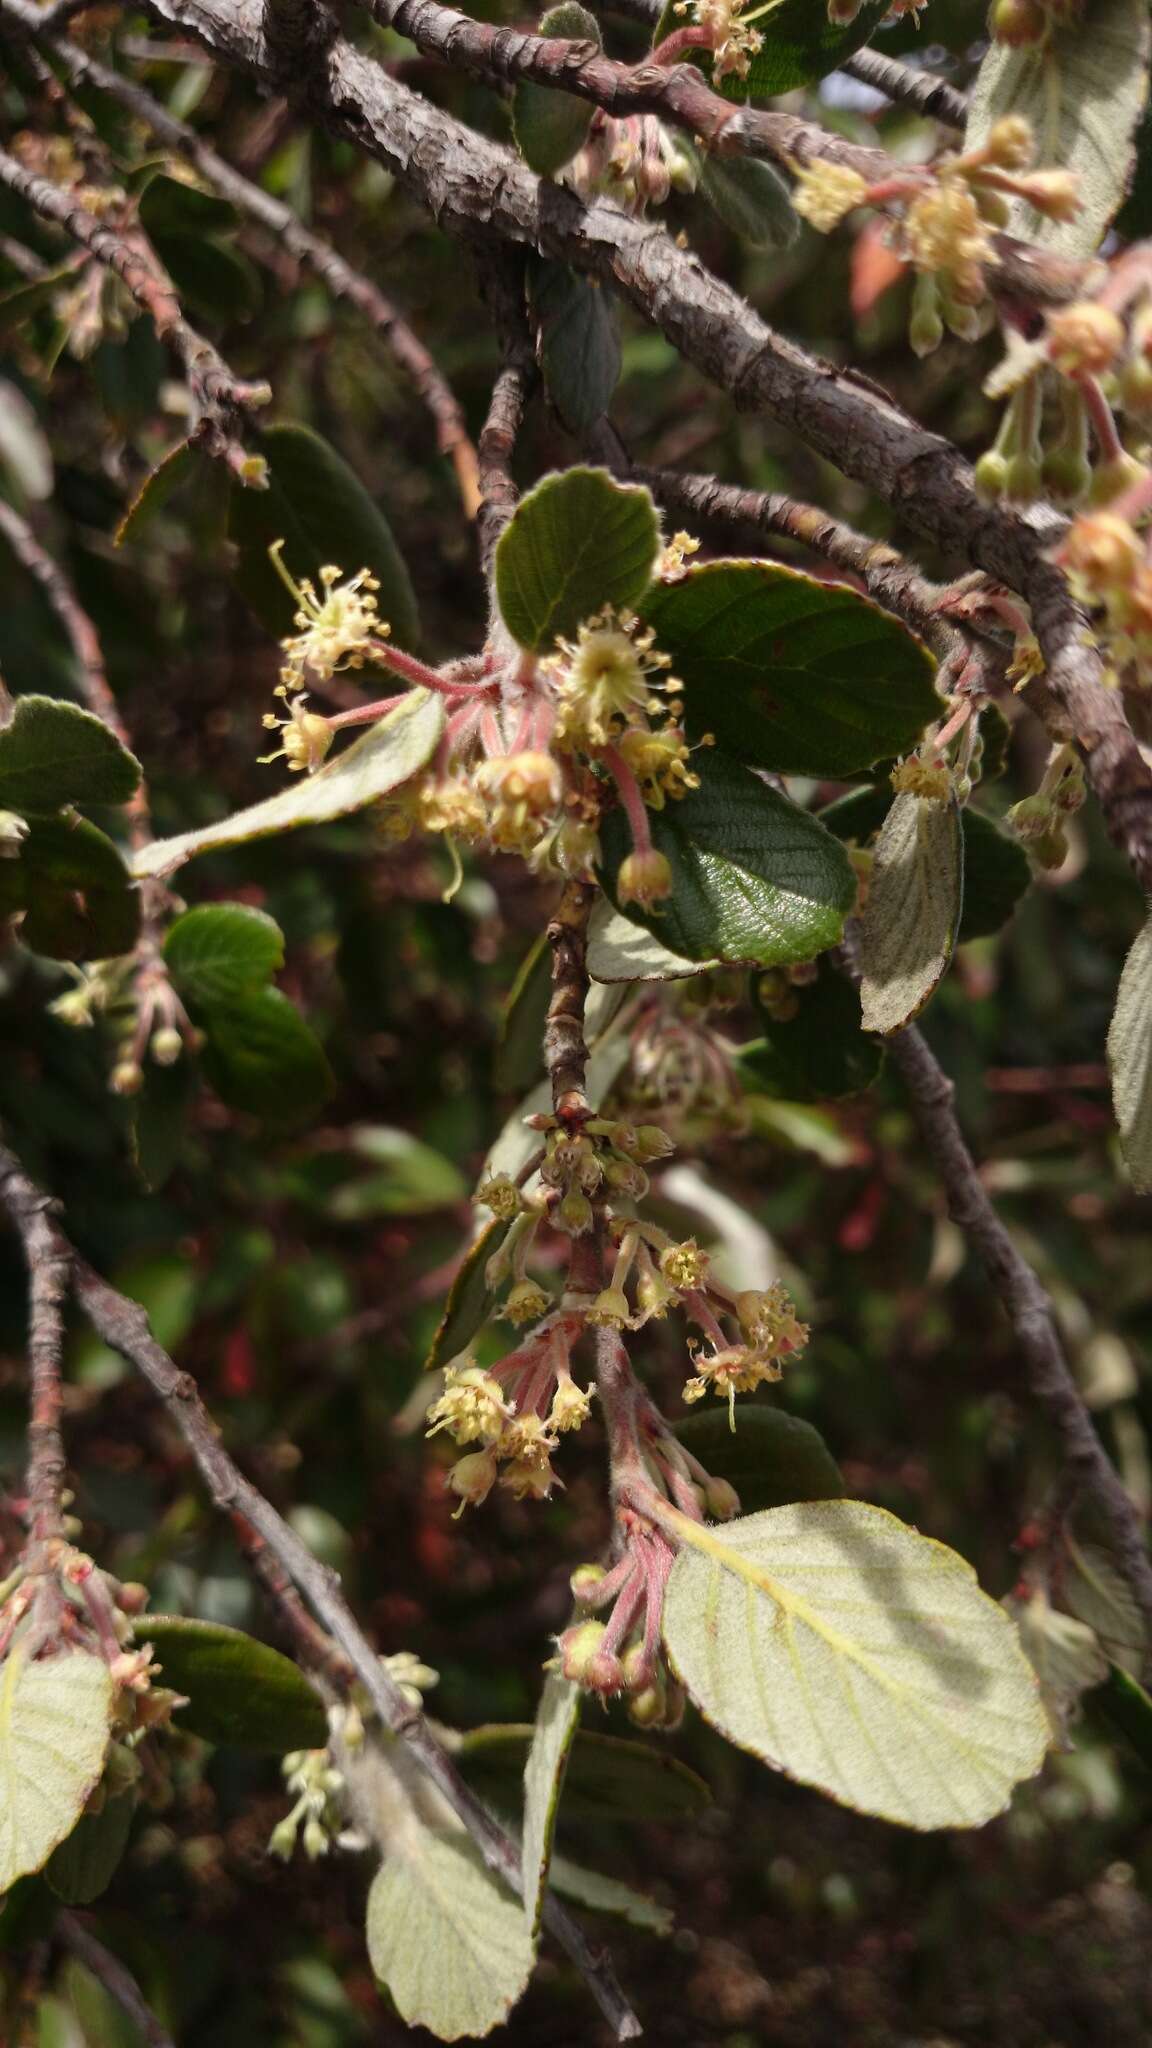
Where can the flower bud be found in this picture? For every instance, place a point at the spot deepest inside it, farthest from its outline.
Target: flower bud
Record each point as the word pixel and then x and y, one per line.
pixel 644 878
pixel 574 1214
pixel 585 1580
pixel 721 1499
pixel 1023 479
pixel 991 476
pixel 1136 386
pixel 652 1143
pixel 646 1709
pixel 1112 479
pixel 610 1310
pixel 166 1045
pixel 1019 23
pixel 527 1303
pixel 472 1478
pixel 126 1078
pixel 1067 474
pixel 578 1647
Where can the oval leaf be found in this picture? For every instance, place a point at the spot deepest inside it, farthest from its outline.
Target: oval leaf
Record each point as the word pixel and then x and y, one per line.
pixel 321 511
pixel 1130 1059
pixel 239 1691
pixel 74 891
pixel 85 1864
pixel 222 950
pixel 520 1047
pixel 556 1719
pixel 1128 1707
pixel 913 910
pixel 859 1657
pixel 470 1299
pixel 387 755
pixel 772 1458
pixel 608 1777
pixel 551 126
pixel 1083 89
pixel 55 1718
pixel 579 344
pixel 803 677
pixel 452 1946
pixel 753 878
pixel 262 1056
pixel 619 950
pixel 52 754
pixel 819 1053
pixel 751 199
pixel 577 542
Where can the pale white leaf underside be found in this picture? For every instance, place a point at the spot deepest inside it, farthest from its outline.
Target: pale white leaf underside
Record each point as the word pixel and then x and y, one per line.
pixel 54 1724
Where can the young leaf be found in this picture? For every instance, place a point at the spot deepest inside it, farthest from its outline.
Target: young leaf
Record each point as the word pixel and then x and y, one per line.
pixel 556 1719
pixel 912 915
pixel 772 1460
pixel 87 1860
pixel 55 1717
pixel 607 1895
pixel 452 1946
pixel 52 754
pixel 858 1656
pixel 519 1048
pixel 608 1776
pixel 239 1691
pixel 1128 1707
pixel 218 951
pixel 74 891
pixel 262 1056
pixel 753 878
pixel 1083 88
pixel 1130 1059
pixel 550 126
pixel 803 677
pixel 321 511
pixel 388 754
pixel 619 950
pixel 576 543
pixel 579 341
pixel 751 199
pixel 820 1052
pixel 470 1299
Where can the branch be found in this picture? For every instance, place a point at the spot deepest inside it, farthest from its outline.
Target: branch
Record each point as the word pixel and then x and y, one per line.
pixel 47 1259
pixel 118 1982
pixel 1026 1304
pixel 565 1052
pixel 502 288
pixel 921 90
pixel 221 398
pixel 303 244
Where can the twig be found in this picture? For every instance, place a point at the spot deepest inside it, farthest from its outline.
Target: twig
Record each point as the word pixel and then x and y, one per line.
pixel 502 288
pixel 303 244
pixel 222 399
pixel 47 1259
pixel 565 1052
pixel 1026 1303
pixel 314 1647
pixel 118 1982
pixel 921 90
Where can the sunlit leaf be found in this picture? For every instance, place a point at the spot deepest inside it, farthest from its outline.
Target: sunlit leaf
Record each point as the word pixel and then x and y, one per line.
pixel 1130 1059
pixel 555 1726
pixel 53 754
pixel 55 1717
pixel 912 915
pixel 239 1691
pixel 576 543
pixel 619 950
pixel 452 1946
pixel 858 1656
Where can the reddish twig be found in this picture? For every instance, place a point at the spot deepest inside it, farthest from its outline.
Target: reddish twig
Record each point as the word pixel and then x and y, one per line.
pixel 118 1982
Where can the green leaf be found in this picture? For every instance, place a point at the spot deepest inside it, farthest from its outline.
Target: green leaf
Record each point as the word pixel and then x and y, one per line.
pixel 171 206
pixel 821 1052
pixel 608 1776
pixel 23 301
pixel 552 1735
pixel 319 508
pixel 608 1895
pixel 239 1691
pixel 551 126
pixel 179 467
pixel 520 1049
pixel 771 1458
pixel 800 46
pixel 87 1860
pixel 55 1718
pixel 753 878
pixel 389 753
pixel 412 1179
pixel 579 343
pixel 160 1119
pixel 1130 1060
pixel 470 1299
pixel 262 1056
pixel 218 951
pixel 452 1946
pixel 619 950
pixel 750 198
pixel 74 891
pixel 579 541
pixel 1128 1707
pixel 859 1657
pixel 803 677
pixel 215 280
pixel 52 753
pixel 1083 89
pixel 912 915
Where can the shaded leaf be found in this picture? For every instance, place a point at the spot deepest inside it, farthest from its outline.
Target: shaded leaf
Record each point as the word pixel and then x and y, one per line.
pixel 820 1052
pixel 470 1299
pixel 753 878
pixel 261 1056
pixel 608 1895
pixel 1130 1060
pixel 912 914
pixel 1098 1594
pixel 52 753
pixel 1128 1707
pixel 86 1862
pixel 751 198
pixel 452 1946
pixel 215 280
pixel 804 677
pixel 1065 1655
pixel 996 875
pixel 160 1119
pixel 220 950
pixel 579 541
pixel 239 1691
pixel 412 1178
pixel 619 950
pixel 579 343
pixel 858 1656
pixel 772 1458
pixel 608 1776
pixel 551 126
pixel 555 1726
pixel 389 753
pixel 74 891
pixel 801 45
pixel 179 467
pixel 171 206
pixel 55 1717
pixel 520 1046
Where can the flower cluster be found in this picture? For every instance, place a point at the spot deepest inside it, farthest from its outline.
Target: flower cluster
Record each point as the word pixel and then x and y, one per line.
pixel 633 161
pixel 144 1012
pixel 769 1331
pixel 1110 571
pixel 731 38
pixel 515 1413
pixel 339 629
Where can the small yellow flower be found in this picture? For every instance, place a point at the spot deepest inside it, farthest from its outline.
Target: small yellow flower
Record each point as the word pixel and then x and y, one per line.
pixel 472 1479
pixel 335 630
pixel 306 737
pixel 825 192
pixel 571 1406
pixel 610 1310
pixel 500 1194
pixel 644 878
pixel 472 1407
pixel 944 231
pixel 684 1266
pixel 923 775
pixel 1011 143
pixel 673 567
pixel 526 1303
pixel 605 679
pixel 734 42
pixel 659 761
pixel 1084 337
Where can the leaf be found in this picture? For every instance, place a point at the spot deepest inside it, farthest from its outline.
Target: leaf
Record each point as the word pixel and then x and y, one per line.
pixel 803 677
pixel 214 279
pixel 412 1179
pixel 470 1299
pixel 1083 89
pixel 171 206
pixel 239 1691
pixel 801 46
pixel 452 1946
pixel 750 198
pixel 1130 1061
pixel 772 1458
pixel 218 951
pixel 608 1776
pixel 87 1860
pixel 819 1053
pixel 74 891
pixel 859 1657
pixel 179 466
pixel 321 511
pixel 619 950
pixel 579 541
pixel 996 875
pixel 556 1719
pixel 551 126
pixel 1064 1654
pixel 52 753
pixel 262 1056
pixel 1095 1591
pixel 160 1119
pixel 1128 1707
pixel 389 753
pixel 23 301
pixel 55 1717
pixel 753 877
pixel 608 1895
pixel 579 343
pixel 912 914
pixel 520 1046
